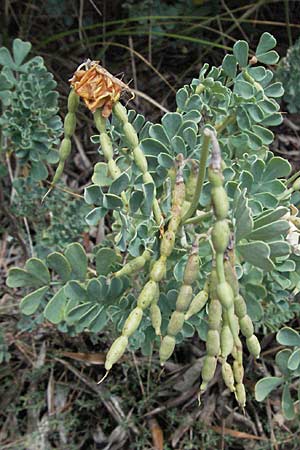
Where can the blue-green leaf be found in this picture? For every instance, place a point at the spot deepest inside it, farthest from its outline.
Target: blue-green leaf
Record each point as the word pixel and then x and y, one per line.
pixel 265 386
pixel 32 301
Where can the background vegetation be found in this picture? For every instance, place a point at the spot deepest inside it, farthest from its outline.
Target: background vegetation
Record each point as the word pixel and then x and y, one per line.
pixel 49 398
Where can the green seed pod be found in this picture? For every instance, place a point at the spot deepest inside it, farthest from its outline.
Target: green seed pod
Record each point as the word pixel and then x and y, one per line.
pixel 225 294
pixel 120 112
pixel 238 372
pixel 220 236
pixel 226 341
pixel 231 277
pixel 73 101
pixel 148 293
pixel 167 243
pixel 130 135
pixel 220 202
pixel 227 375
pixel 213 343
pixel 209 368
pixel 64 149
pixel 175 221
pixel 240 394
pixel 178 193
pixel 240 307
pixel 140 160
pixel 176 323
pixel 233 323
pixel 191 270
pixel 184 298
pixel 198 303
pixel 132 322
pixel 158 270
pixel 246 325
pixel 113 169
pixel 166 348
pixel 58 172
pixel 69 124
pixel 214 315
pixel 253 346
pixel 106 146
pixel 155 315
pixel 116 351
pixel 215 177
pixel 134 265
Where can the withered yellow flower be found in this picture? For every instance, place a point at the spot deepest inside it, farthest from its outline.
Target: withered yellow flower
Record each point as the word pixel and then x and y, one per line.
pixel 97 87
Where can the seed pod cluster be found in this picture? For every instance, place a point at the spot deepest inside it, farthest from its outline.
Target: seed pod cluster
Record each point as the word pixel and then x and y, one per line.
pixel 227 312
pixel 69 129
pixel 149 295
pixel 182 304
pixel 138 155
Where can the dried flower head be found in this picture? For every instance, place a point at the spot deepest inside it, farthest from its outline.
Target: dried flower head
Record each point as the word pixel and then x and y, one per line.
pixel 97 87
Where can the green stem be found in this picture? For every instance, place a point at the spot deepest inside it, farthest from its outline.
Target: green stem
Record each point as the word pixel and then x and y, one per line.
pixel 220 126
pixel 201 176
pixel 198 219
pixel 293 178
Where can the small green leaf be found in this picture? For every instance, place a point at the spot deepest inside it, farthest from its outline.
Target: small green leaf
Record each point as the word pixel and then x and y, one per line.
pixel 271 57
pixel 20 50
pixel 243 89
pixel 135 201
pixel 6 59
pixel 38 269
pixel 93 290
pixel 181 98
pixel 105 259
pixel 77 258
pixel 294 360
pixel 120 184
pixel 93 195
pixel 288 336
pixel 264 134
pixel 165 160
pixel 111 201
pixel 287 403
pixel 266 42
pixel 271 230
pixel 99 321
pixel 229 65
pixel 240 51
pixel 149 190
pixel 59 263
pixel 171 123
pixel 265 386
pixel 277 168
pixel 250 250
pixel 32 301
pixel 54 311
pixel 153 147
pixel 274 90
pixel 269 216
pixel 20 278
pixel 88 316
pixel 282 359
pixel 93 217
pixel 100 176
pixel 74 289
pixel 75 314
